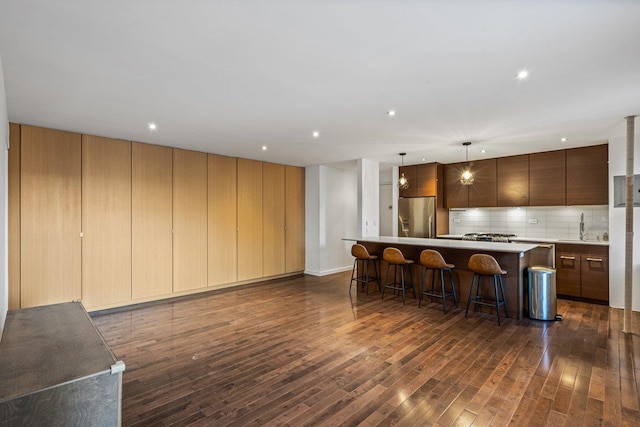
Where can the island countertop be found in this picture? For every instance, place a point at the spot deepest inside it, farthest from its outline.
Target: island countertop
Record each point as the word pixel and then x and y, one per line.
pixel 449 244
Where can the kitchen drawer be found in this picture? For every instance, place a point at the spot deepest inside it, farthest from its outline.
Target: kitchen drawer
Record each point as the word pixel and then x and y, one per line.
pixel 595 277
pixel 568 273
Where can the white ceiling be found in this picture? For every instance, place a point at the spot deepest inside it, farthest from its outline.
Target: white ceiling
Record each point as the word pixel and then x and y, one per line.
pixel 231 76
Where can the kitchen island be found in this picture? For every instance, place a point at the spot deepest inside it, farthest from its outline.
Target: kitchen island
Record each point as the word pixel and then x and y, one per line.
pixel 512 257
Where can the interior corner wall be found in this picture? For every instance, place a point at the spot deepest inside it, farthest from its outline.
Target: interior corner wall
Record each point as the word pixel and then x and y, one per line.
pixel 368 217
pixel 4 202
pixel 617 221
pixel 330 215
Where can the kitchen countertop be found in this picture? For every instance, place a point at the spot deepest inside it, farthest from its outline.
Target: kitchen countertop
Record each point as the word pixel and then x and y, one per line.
pixel 449 243
pixel 538 240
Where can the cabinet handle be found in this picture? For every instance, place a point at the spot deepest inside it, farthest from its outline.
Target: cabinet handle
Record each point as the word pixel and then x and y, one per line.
pixel 545 246
pixel 567 257
pixel 594 259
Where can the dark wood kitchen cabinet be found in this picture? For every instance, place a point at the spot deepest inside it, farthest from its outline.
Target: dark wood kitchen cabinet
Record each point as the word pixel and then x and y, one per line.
pixel 456 195
pixel 423 180
pixel 513 180
pixel 547 174
pixel 582 271
pixel 411 173
pixel 587 175
pixel 484 190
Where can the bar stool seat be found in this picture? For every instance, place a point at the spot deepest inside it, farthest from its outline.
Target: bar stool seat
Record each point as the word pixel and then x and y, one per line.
pixel 393 257
pixel 363 257
pixel 486 265
pixel 433 260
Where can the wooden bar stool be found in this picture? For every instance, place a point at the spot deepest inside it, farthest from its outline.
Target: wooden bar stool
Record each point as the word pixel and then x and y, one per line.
pixel 432 260
pixel 393 257
pixel 363 257
pixel 486 265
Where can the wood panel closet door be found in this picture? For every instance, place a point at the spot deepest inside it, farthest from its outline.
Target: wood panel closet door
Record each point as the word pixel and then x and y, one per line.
pixel 273 207
pixel 14 216
pixel 106 221
pixel 294 219
pixel 189 220
pixel 222 227
pixel 151 206
pixel 50 216
pixel 249 219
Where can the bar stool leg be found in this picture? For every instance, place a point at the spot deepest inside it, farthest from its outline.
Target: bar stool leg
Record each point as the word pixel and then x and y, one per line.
pixel 376 268
pixel 366 275
pixel 495 287
pixel 386 281
pixel 413 288
pixel 453 287
pixel 504 298
pixel 444 295
pixel 473 282
pixel 353 272
pixel 424 276
pixel 402 282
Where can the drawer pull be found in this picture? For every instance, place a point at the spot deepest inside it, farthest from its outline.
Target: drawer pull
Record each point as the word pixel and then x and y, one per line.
pixel 545 246
pixel 594 259
pixel 567 257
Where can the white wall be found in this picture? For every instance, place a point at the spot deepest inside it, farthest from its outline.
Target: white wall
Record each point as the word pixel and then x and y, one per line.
pixel 4 167
pixel 368 198
pixel 618 166
pixel 389 194
pixel 330 215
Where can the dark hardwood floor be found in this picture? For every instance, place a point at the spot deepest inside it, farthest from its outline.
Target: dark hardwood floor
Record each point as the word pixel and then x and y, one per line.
pixel 300 351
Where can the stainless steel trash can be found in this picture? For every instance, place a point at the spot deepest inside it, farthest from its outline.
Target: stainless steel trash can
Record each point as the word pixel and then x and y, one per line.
pixel 543 304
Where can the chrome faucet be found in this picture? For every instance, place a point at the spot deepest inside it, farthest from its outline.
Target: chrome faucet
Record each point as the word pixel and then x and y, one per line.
pixel 582 226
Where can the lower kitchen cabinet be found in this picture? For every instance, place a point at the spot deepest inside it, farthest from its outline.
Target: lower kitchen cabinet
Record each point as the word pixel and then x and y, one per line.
pixel 582 271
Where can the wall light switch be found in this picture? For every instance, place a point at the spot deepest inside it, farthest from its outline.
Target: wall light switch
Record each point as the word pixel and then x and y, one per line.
pixel 533 220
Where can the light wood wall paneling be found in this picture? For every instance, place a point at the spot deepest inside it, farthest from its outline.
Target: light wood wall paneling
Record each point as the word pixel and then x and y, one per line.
pixel 222 224
pixel 14 216
pixel 189 220
pixel 249 219
pixel 106 221
pixel 273 230
pixel 151 198
pixel 50 165
pixel 294 219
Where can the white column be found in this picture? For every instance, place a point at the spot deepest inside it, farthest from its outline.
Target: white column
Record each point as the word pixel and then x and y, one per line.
pixel 368 198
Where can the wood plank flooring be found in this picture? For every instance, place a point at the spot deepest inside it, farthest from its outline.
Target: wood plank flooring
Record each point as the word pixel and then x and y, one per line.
pixel 301 351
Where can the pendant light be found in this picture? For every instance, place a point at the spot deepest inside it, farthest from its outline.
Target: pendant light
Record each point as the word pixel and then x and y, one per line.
pixel 403 182
pixel 467 176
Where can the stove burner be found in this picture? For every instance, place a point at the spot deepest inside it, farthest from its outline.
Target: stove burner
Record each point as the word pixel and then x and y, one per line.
pixel 489 237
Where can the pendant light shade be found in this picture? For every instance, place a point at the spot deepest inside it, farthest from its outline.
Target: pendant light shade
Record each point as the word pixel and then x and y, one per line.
pixel 467 176
pixel 403 182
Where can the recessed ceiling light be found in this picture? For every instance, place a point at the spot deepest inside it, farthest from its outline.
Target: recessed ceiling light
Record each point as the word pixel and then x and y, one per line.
pixel 522 74
pixel 563 139
pixel 315 134
pixel 264 148
pixel 391 113
pixel 424 160
pixel 483 151
pixel 152 126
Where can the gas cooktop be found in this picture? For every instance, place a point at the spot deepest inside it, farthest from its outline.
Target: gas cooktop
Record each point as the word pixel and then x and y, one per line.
pixel 489 237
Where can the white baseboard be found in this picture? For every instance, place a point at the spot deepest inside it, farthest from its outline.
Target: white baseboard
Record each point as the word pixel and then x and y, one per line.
pixel 328 272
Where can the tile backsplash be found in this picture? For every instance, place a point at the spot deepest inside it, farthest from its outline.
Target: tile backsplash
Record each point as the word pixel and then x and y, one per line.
pixel 561 222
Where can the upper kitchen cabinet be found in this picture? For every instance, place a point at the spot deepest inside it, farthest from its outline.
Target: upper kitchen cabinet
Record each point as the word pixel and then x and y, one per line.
pixel 483 192
pixel 456 195
pixel 587 175
pixel 50 206
pixel 411 173
pixel 547 186
pixel 513 180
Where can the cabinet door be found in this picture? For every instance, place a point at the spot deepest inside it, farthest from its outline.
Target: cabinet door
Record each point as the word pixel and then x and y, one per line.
pixel 427 180
pixel 456 195
pixel 568 273
pixel 587 175
pixel 106 221
pixel 547 180
pixel 484 190
pixel 595 277
pixel 273 207
pixel 50 216
pixel 513 180
pixel 249 219
pixel 410 172
pixel 222 240
pixel 294 219
pixel 189 220
pixel 151 220
pixel 13 219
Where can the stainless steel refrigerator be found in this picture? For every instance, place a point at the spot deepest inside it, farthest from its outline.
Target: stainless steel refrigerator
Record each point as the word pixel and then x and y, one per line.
pixel 417 217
